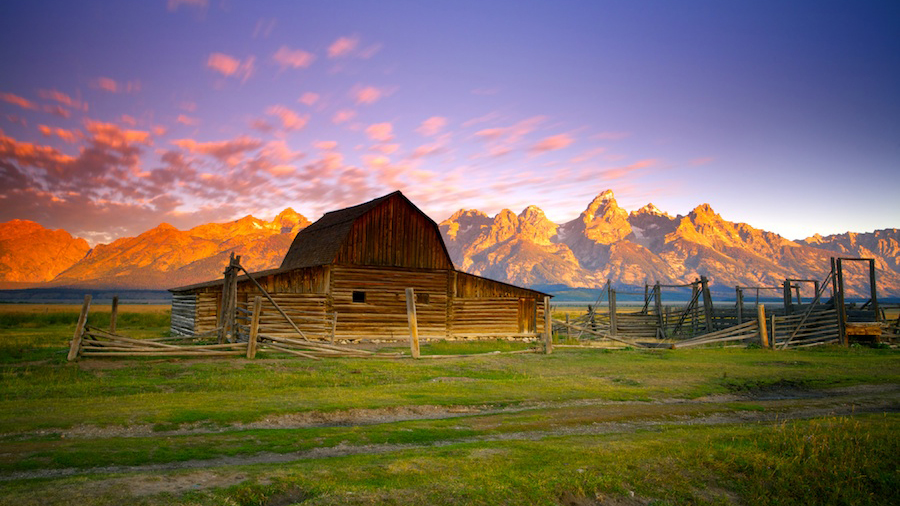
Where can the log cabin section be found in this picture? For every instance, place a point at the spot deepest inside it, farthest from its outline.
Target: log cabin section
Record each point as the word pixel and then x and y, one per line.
pixel 344 278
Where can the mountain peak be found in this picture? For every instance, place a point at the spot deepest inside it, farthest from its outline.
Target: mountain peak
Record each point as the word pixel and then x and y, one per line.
pixel 650 209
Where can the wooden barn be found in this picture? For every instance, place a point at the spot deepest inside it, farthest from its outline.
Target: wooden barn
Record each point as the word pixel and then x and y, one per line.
pixel 345 279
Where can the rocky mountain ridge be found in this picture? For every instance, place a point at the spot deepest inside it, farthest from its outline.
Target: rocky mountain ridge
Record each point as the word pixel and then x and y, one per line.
pixel 603 242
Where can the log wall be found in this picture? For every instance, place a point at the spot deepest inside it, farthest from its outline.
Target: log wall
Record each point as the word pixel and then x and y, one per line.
pixel 184 313
pixel 383 314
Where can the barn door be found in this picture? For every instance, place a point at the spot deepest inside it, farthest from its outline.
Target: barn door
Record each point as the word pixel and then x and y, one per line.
pixel 527 316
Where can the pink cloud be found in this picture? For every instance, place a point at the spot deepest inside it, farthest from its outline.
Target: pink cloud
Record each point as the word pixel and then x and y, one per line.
pixel 503 139
pixel 113 86
pixel 309 98
pixel 230 152
pixel 69 136
pixel 22 102
pixel 326 145
pixel 294 58
pixel 114 137
pixel 380 132
pixel 624 171
pixel 187 120
pixel 432 126
pixel 342 47
pixel 426 150
pixel 386 149
pixel 702 161
pixel 552 143
pixel 230 66
pixel 63 99
pixel 367 94
pixel 343 116
pixel 128 120
pixel 289 119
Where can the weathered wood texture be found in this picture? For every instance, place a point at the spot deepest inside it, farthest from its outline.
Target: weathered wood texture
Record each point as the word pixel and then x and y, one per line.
pixel 383 314
pixel 184 314
pixel 394 234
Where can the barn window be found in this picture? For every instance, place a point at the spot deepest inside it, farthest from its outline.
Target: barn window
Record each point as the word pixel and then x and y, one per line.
pixel 422 298
pixel 359 296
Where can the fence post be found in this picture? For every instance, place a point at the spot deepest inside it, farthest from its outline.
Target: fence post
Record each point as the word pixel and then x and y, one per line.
pixel 774 339
pixel 761 322
pixel 114 313
pixel 413 324
pixel 612 313
pixel 657 302
pixel 254 327
pixel 788 309
pixel 548 328
pixel 739 303
pixel 707 303
pixel 75 348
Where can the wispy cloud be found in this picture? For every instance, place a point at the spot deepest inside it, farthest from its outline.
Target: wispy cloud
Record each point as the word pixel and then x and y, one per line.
pixel 187 120
pixel 231 151
pixel 69 136
pixel 22 102
pixel 112 86
pixel 289 119
pixel 432 126
pixel 309 98
pixel 63 99
pixel 343 116
pixel 552 143
pixel 342 47
pixel 367 94
pixel 293 58
pixel 230 66
pixel 380 132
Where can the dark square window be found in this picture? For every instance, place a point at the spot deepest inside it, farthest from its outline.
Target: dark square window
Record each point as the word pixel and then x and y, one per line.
pixel 359 296
pixel 421 298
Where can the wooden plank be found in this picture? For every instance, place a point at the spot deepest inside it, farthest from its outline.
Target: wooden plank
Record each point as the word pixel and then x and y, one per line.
pixel 79 329
pixel 254 327
pixel 548 328
pixel 413 323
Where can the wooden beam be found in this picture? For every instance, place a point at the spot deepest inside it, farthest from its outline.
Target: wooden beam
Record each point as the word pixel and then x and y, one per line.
pixel 264 292
pixel 613 323
pixel 413 324
pixel 254 327
pixel 114 312
pixel 75 348
pixel 707 303
pixel 548 327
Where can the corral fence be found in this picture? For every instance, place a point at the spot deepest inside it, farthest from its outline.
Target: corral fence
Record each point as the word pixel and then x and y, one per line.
pixel 795 323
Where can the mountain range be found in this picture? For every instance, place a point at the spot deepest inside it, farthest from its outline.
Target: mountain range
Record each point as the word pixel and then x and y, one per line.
pixel 603 242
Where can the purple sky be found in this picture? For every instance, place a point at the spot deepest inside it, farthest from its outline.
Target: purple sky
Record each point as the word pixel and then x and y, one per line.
pixel 116 116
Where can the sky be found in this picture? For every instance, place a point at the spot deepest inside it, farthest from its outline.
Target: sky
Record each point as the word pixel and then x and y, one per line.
pixel 117 116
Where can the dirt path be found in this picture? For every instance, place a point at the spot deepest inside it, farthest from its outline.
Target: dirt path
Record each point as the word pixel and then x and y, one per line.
pixel 811 404
pixel 353 417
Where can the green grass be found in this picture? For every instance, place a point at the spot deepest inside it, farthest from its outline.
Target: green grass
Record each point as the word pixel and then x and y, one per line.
pixel 578 425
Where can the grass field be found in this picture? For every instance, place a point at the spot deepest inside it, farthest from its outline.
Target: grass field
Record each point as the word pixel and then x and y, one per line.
pixel 623 427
